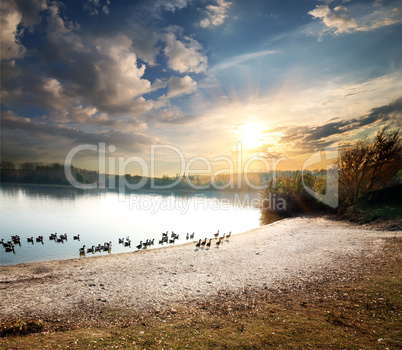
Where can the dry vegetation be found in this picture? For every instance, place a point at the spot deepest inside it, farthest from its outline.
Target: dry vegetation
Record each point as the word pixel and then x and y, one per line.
pixel 351 310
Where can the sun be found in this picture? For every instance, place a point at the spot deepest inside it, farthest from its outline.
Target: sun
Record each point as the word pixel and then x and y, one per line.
pixel 251 136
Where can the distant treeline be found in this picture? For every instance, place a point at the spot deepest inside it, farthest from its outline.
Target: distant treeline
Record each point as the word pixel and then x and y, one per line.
pixel 54 174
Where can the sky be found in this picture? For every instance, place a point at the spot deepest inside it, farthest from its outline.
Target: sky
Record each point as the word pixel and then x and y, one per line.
pixel 197 79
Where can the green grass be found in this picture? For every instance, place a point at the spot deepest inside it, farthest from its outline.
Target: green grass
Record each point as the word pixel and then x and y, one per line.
pixel 359 309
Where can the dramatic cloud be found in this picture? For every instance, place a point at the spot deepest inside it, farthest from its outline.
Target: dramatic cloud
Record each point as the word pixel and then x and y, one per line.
pixel 104 73
pixel 216 14
pixel 179 86
pixel 184 57
pixel 339 20
pixel 136 73
pixel 311 138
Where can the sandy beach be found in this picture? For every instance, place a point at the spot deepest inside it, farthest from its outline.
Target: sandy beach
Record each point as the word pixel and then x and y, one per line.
pixel 290 252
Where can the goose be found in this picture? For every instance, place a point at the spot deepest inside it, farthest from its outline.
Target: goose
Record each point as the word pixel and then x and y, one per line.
pixel 16 239
pixel 10 249
pixel 187 236
pixel 39 239
pixel 229 234
pixel 172 240
pixel 204 242
pixel 82 250
pixel 127 243
pixel 121 240
pixel 77 237
pixel 98 248
pixel 161 241
pixel 209 243
pixel 139 246
pixel 7 244
pixel 198 244
pixel 216 234
pixel 218 243
pixel 91 250
pixel 53 236
pixel 30 240
pixel 192 236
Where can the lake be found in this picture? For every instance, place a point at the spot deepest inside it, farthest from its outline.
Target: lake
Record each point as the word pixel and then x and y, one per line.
pixel 100 216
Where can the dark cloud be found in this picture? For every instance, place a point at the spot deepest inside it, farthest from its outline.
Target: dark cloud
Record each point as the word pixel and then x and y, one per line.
pixel 24 139
pixel 306 138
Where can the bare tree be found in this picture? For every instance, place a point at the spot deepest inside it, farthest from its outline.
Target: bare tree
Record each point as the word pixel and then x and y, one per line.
pixel 369 165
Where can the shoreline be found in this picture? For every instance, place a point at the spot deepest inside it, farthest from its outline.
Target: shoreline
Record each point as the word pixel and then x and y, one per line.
pixel 287 252
pixel 157 248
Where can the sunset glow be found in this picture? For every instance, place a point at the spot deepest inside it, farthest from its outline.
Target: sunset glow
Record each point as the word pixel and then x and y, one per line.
pixel 251 136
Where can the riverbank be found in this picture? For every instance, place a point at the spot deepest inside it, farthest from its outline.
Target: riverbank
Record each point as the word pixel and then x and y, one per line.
pixel 291 252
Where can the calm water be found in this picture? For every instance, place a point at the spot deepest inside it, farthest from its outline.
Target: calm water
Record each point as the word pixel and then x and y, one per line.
pixel 103 216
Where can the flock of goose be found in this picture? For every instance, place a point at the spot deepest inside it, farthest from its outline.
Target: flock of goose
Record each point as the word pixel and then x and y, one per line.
pixel 107 246
pixel 9 246
pixel 207 244
pixel 166 238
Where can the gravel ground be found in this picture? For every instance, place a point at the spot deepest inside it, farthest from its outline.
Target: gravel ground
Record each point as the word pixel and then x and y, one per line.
pixel 289 252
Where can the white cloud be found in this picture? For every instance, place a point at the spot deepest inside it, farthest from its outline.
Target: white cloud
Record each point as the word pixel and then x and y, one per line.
pixel 185 56
pixel 336 20
pixel 366 17
pixel 170 5
pixel 63 33
pixel 216 14
pixel 180 86
pixel 10 18
pixel 31 12
pixel 95 6
pixel 145 40
pixel 158 84
pixel 170 115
